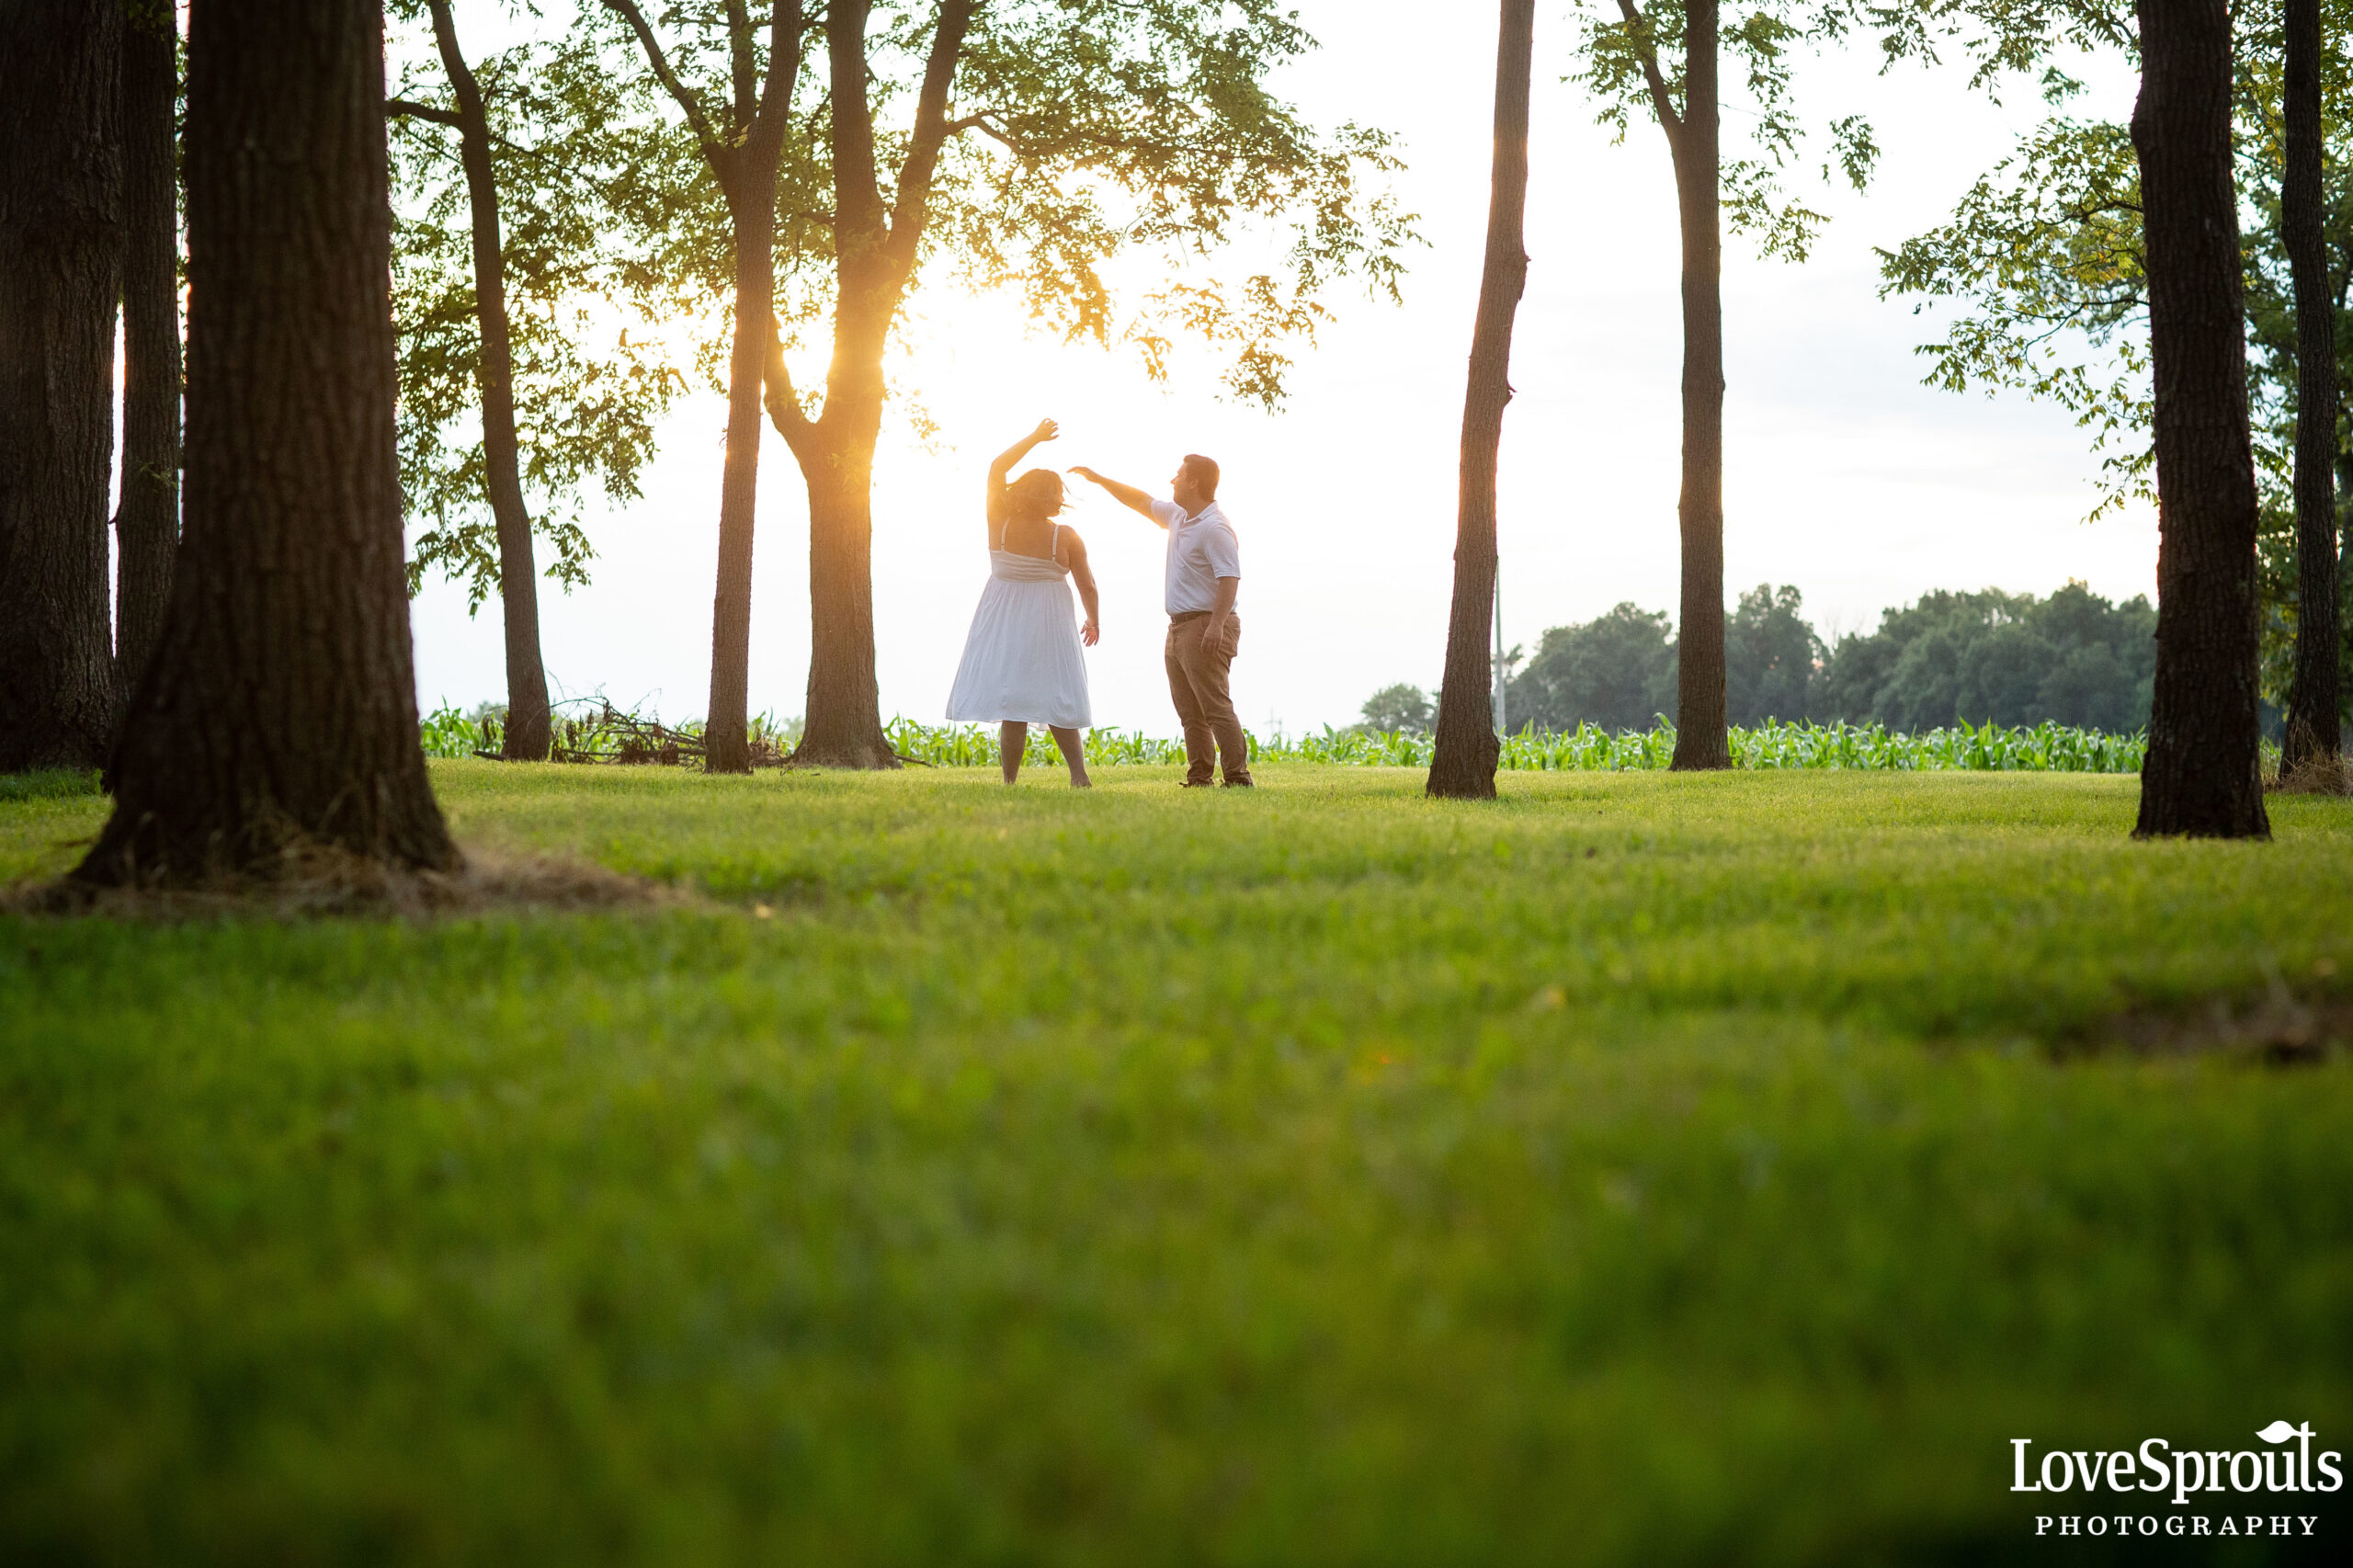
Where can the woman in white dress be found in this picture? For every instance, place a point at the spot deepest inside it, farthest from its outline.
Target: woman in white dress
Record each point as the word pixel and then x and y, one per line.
pixel 1022 663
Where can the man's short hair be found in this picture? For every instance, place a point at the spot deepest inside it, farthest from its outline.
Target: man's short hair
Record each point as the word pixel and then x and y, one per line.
pixel 1204 474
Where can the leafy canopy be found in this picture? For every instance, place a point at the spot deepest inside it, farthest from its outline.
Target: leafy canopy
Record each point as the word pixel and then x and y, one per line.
pixel 1399 709
pixel 2072 658
pixel 2044 260
pixel 1088 140
pixel 1632 58
pixel 2045 253
pixel 592 368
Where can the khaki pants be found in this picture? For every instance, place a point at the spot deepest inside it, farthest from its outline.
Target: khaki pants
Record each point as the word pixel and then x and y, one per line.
pixel 1197 680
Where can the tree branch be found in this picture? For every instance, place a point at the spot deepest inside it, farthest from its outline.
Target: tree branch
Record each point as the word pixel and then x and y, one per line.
pixel 787 23
pixel 855 198
pixel 423 111
pixel 1638 30
pixel 783 403
pixel 742 68
pixel 931 130
pixel 629 12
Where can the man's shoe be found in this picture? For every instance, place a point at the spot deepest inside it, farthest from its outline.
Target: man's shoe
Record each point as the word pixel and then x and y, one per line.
pixel 1242 784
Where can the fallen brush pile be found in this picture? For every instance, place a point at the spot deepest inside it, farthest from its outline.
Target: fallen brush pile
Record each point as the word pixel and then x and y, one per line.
pixel 607 734
pixel 602 735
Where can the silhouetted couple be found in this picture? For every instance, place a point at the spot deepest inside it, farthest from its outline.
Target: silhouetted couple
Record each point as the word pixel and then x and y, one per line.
pixel 1022 660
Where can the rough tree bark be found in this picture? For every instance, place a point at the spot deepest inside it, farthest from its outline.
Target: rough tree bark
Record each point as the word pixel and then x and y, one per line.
pixel 2315 696
pixel 2202 775
pixel 1462 764
pixel 842 727
pixel 1695 142
pixel 61 268
pixel 742 157
pixel 1700 738
pixel 518 581
pixel 279 711
pixel 147 514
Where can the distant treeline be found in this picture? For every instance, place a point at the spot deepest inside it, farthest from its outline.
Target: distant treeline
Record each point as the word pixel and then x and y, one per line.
pixel 2074 658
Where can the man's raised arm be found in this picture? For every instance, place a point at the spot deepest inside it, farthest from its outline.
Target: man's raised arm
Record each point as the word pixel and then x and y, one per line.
pixel 1127 495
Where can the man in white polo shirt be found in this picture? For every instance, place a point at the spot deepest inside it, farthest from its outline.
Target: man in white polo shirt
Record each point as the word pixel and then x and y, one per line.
pixel 1204 575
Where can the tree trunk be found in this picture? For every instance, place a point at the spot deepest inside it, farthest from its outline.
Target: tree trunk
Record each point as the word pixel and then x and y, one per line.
pixel 843 722
pixel 147 516
pixel 1700 738
pixel 519 579
pixel 2314 727
pixel 743 154
pixel 61 269
pixel 1463 763
pixel 727 722
pixel 2202 775
pixel 281 709
pixel 874 256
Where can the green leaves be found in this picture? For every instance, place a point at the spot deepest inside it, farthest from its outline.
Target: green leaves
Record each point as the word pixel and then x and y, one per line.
pixel 590 284
pixel 2044 253
pixel 1631 58
pixel 1078 133
pixel 1091 131
pixel 2046 250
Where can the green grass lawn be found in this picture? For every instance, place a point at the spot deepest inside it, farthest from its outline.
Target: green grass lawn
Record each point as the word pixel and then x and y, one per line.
pixel 1643 1169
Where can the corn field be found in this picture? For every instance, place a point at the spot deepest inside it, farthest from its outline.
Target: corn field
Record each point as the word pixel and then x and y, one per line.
pixel 1989 748
pixel 1980 748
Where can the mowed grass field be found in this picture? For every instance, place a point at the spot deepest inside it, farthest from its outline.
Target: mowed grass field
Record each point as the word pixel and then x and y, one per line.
pixel 1642 1169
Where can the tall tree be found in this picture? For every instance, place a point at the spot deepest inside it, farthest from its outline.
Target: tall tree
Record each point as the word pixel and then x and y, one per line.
pixel 1462 763
pixel 2314 695
pixel 875 249
pixel 147 511
pixel 527 736
pixel 1023 145
pixel 741 145
pixel 2046 255
pixel 2201 776
pixel 513 395
pixel 1667 58
pixel 281 709
pixel 1694 141
pixel 60 271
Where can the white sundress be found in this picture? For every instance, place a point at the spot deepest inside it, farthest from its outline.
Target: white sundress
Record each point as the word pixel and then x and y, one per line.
pixel 1022 661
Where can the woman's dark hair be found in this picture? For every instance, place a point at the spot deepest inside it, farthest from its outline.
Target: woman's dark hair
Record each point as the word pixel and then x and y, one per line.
pixel 1036 494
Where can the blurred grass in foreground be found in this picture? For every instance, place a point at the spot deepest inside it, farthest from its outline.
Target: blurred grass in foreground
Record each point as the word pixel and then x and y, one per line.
pixel 1643 1169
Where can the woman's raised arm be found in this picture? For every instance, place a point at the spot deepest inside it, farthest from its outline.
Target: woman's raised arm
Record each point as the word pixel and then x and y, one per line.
pixel 1046 431
pixel 994 508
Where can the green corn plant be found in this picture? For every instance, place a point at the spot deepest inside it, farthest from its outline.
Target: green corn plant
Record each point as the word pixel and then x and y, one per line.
pixel 1988 747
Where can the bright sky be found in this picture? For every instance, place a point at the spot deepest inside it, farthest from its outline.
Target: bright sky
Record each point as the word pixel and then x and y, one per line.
pixel 1843 474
